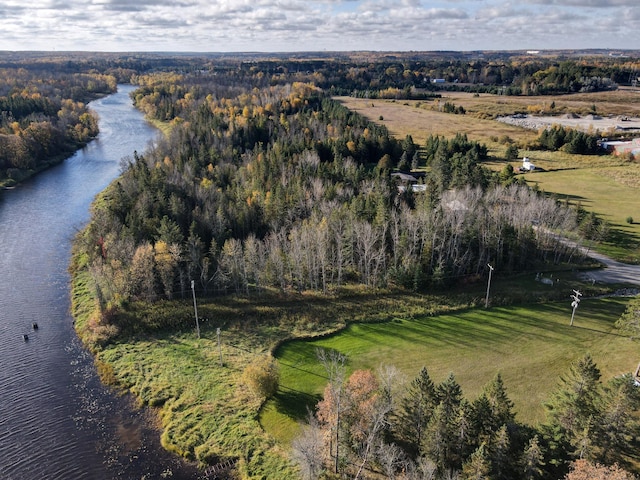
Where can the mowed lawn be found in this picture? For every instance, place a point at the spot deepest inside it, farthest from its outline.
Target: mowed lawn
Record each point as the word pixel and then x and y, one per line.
pixel 606 192
pixel 531 346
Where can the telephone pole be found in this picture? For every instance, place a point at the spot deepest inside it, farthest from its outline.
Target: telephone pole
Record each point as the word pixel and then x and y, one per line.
pixel 576 300
pixel 486 300
pixel 195 306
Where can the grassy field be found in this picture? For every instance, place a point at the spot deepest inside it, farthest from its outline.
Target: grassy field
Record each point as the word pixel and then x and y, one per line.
pixel 204 411
pixel 530 345
pixel 607 185
pixel 421 118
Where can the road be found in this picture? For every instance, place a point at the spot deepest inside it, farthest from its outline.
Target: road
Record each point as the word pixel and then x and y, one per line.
pixel 614 272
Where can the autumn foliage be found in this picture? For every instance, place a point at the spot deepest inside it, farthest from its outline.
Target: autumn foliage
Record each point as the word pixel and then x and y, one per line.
pixel 262 376
pixel 584 470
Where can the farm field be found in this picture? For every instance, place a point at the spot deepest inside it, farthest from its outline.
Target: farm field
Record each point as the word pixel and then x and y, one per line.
pixel 530 345
pixel 421 118
pixel 606 185
pixel 605 192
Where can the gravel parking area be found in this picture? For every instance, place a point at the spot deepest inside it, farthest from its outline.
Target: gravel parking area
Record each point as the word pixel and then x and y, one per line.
pixel 594 122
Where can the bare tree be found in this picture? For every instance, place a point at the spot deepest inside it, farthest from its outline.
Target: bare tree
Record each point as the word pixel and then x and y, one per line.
pixel 330 408
pixel 391 458
pixel 308 449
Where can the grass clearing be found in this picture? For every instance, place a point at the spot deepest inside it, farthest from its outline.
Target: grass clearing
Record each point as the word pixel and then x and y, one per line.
pixel 206 414
pixel 597 191
pixel 530 345
pixel 420 119
pixel 604 184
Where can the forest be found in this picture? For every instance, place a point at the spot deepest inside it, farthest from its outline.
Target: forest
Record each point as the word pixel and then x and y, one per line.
pixel 43 96
pixel 278 187
pixel 44 117
pixel 264 183
pixel 282 187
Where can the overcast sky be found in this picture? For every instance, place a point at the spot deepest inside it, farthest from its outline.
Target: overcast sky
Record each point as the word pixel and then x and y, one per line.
pixel 313 25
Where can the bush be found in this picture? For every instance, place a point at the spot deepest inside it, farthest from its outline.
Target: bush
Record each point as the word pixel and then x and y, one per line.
pixel 262 377
pixel 630 220
pixel 511 153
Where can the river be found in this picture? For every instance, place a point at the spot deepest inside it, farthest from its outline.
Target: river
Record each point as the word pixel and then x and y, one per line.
pixel 57 421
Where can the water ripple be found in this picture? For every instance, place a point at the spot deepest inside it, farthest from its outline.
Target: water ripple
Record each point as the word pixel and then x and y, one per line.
pixel 56 420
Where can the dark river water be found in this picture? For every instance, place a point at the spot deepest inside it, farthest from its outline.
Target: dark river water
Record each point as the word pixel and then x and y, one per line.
pixel 56 420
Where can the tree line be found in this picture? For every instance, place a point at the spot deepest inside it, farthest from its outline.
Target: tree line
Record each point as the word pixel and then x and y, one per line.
pixel 372 425
pixel 283 187
pixel 43 117
pixel 33 86
pixel 569 140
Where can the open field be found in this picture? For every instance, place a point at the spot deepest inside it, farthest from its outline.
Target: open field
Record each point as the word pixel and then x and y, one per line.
pixel 531 346
pixel 605 192
pixel 204 411
pixel 421 118
pixel 604 184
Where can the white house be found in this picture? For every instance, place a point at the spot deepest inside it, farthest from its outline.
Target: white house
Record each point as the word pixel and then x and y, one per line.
pixel 527 166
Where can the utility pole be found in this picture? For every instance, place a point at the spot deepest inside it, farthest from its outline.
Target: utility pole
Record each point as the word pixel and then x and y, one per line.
pixel 219 348
pixel 486 300
pixel 195 306
pixel 576 300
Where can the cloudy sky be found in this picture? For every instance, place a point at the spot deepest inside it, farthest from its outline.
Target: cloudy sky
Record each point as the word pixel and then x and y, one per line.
pixel 313 25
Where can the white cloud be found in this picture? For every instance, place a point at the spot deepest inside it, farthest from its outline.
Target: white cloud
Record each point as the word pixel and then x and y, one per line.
pixel 289 25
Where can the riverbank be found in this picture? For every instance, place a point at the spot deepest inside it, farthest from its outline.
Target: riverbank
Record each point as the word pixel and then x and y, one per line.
pixel 49 385
pixel 206 413
pixel 20 176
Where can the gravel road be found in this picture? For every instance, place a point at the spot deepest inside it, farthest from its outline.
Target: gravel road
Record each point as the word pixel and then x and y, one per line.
pixel 614 272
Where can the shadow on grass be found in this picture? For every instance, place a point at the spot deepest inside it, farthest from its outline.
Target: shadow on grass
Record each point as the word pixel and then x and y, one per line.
pixel 308 372
pixel 294 403
pixel 622 239
pixel 598 331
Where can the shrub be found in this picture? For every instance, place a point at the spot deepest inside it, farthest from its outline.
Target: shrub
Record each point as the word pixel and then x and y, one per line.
pixel 511 153
pixel 630 220
pixel 262 376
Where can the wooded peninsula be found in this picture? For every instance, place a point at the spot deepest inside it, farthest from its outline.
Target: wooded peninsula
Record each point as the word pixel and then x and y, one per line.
pixel 340 270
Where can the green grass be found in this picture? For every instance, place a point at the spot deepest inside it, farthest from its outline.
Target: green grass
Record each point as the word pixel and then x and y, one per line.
pixel 531 346
pixel 204 411
pixel 598 190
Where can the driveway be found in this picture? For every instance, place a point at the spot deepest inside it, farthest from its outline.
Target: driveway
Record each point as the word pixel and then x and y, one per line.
pixel 614 272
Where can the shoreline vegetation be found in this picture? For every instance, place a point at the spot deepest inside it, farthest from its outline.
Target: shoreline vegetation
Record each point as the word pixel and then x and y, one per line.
pixel 44 118
pixel 205 413
pixel 143 336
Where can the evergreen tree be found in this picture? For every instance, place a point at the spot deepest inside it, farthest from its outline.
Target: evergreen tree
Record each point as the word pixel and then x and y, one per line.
pixel 532 461
pixel 573 411
pixel 499 452
pixel 441 443
pixel 618 421
pixel 629 322
pixel 478 467
pixel 416 410
pixel 500 404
